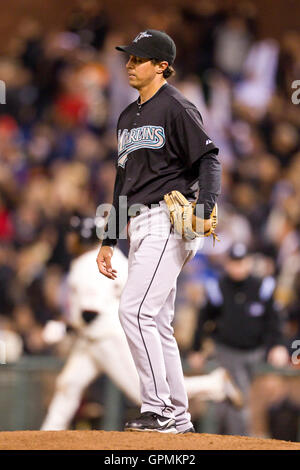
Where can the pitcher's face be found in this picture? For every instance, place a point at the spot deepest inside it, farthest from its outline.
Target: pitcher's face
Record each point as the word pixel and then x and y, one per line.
pixel 141 71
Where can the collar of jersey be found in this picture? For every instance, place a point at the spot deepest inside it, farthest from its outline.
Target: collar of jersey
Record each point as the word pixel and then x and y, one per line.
pixel 155 94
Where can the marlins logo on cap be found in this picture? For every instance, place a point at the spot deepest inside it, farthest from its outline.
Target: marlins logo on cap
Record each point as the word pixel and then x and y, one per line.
pixel 144 34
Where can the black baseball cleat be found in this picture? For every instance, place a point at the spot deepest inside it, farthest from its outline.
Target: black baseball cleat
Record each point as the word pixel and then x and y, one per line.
pixel 149 421
pixel 192 429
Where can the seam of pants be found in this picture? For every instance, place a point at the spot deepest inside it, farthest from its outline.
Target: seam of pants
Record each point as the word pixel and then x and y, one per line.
pixel 138 317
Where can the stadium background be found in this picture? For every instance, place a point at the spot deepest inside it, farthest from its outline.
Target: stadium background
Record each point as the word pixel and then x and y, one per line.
pixel 65 86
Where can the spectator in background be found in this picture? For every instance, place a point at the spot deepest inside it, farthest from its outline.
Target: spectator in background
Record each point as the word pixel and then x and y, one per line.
pixel 233 41
pixel 259 73
pixel 246 328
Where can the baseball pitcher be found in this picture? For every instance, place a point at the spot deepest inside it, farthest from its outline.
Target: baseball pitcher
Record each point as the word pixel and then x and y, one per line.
pixel 164 156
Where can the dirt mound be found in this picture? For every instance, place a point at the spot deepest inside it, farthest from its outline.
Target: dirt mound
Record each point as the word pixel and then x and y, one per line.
pixel 103 440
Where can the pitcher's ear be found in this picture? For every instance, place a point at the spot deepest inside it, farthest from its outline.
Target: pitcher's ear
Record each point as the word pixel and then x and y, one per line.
pixel 162 66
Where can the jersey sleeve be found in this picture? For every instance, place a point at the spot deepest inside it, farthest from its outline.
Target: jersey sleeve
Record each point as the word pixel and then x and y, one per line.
pixel 192 138
pixel 113 218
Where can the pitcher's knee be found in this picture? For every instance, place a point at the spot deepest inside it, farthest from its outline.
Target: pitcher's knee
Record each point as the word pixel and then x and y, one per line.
pixel 131 316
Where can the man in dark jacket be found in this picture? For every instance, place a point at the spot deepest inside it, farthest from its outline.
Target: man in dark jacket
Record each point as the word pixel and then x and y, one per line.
pixel 246 328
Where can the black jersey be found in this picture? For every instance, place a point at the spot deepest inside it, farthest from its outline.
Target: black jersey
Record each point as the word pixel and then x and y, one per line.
pixel 159 145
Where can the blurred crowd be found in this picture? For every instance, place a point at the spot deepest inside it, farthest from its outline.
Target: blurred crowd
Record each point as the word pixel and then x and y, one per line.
pixel 64 92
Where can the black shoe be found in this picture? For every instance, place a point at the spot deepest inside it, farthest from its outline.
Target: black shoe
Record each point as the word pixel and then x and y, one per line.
pixel 192 429
pixel 149 421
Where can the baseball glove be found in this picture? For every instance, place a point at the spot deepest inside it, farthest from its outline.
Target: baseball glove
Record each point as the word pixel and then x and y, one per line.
pixel 184 221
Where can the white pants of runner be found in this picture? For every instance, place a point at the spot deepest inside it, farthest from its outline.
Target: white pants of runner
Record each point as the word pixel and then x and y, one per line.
pixel 111 356
pixel 146 311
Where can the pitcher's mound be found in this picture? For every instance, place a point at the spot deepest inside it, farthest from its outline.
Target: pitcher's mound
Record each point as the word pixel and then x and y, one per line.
pixel 103 440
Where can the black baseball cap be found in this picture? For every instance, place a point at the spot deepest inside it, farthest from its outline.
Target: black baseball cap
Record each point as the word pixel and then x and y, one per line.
pixel 238 251
pixel 152 44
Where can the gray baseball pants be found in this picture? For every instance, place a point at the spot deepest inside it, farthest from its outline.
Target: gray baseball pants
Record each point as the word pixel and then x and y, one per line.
pixel 146 311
